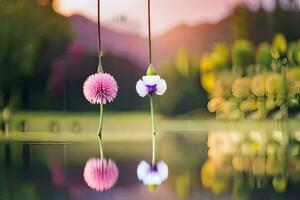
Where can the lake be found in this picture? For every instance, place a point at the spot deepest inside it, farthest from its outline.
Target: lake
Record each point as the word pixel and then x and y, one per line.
pixel 250 163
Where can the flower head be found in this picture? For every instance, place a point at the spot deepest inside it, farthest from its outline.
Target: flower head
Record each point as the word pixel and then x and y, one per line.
pixel 272 84
pixel 241 87
pixel 100 174
pixel 152 174
pixel 258 85
pixel 100 88
pixel 151 84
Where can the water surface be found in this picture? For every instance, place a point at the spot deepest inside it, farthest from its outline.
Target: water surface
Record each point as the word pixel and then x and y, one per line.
pixel 202 165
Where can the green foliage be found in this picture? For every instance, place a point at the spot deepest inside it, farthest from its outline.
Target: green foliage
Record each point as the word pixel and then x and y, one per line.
pixel 241 22
pixel 31 36
pixel 263 57
pixel 260 25
pixel 243 53
pixel 182 63
pixel 294 53
pixel 270 90
pixel 220 55
pixel 279 46
pixel 184 93
pixel 218 59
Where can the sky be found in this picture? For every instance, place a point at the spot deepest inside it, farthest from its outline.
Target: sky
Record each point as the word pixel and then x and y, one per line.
pixel 166 14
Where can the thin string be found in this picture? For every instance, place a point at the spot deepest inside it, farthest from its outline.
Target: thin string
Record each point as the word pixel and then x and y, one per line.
pixel 99 28
pixel 149 32
pixel 100 68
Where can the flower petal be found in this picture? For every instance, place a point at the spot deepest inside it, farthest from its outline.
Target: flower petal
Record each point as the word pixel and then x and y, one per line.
pixel 151 80
pixel 142 170
pixel 152 178
pixel 162 170
pixel 141 88
pixel 161 87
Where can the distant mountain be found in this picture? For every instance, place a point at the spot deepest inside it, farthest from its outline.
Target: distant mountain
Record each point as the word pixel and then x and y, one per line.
pixel 132 46
pixel 196 39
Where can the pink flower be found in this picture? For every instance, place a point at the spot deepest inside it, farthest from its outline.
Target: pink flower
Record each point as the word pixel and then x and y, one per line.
pixel 100 174
pixel 100 88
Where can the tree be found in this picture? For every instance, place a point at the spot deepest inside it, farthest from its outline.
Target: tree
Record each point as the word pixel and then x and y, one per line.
pixel 31 35
pixel 263 56
pixel 243 53
pixel 241 22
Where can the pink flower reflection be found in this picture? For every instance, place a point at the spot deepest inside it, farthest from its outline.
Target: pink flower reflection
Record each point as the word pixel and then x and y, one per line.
pixel 75 189
pixel 57 174
pixel 100 174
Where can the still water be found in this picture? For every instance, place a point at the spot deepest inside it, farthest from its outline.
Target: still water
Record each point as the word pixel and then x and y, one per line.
pixel 202 165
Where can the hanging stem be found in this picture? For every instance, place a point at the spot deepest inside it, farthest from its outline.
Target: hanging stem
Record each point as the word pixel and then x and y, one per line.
pixel 153 150
pixel 284 107
pixel 151 71
pixel 100 131
pixel 100 68
pixel 149 32
pixel 153 130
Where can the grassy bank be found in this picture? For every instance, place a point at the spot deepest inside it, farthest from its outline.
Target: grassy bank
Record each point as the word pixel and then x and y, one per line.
pixel 62 126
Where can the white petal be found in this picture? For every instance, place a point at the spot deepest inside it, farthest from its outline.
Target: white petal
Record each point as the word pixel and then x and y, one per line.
pixel 151 80
pixel 162 170
pixel 142 170
pixel 141 88
pixel 161 87
pixel 152 179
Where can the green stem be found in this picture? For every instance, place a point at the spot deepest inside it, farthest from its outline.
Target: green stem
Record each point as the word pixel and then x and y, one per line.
pixel 153 130
pixel 153 150
pixel 284 107
pixel 100 131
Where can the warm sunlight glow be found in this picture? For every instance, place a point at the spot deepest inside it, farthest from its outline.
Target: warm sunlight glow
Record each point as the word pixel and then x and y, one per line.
pixel 166 14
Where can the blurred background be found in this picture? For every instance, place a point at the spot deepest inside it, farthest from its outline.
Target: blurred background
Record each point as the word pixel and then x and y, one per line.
pixel 48 48
pixel 233 60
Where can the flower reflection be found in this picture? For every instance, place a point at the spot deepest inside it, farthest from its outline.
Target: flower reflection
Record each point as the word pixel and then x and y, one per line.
pixel 57 174
pixel 100 174
pixel 251 160
pixel 212 178
pixel 152 175
pixel 279 184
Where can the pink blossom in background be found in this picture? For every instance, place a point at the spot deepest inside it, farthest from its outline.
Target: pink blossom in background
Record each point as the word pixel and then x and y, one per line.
pixel 100 174
pixel 76 190
pixel 100 88
pixel 56 78
pixel 75 51
pixel 57 174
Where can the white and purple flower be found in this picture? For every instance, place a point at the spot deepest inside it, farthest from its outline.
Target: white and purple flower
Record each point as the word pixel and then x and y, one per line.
pixel 151 84
pixel 152 174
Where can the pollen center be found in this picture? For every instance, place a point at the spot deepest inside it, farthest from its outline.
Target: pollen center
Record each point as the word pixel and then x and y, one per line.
pixel 151 89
